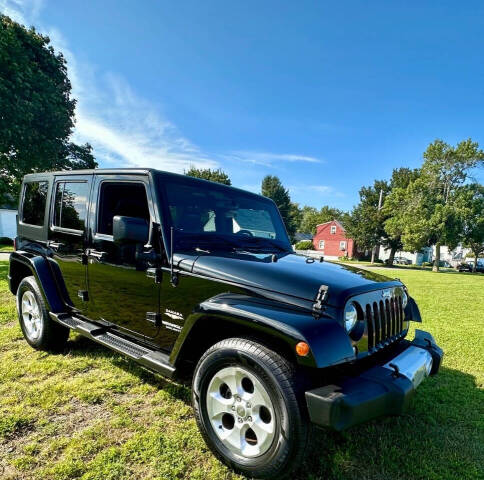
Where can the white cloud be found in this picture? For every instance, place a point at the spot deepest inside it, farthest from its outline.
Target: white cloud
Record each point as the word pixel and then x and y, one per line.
pixel 22 11
pixel 268 158
pixel 323 190
pixel 124 128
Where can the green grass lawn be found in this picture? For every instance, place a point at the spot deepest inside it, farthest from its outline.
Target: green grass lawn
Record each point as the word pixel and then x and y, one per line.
pixel 89 413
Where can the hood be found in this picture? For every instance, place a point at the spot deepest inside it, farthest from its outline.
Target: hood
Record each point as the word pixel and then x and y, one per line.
pixel 291 275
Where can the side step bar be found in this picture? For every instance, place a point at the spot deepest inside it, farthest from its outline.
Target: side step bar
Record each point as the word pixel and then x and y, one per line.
pixel 151 359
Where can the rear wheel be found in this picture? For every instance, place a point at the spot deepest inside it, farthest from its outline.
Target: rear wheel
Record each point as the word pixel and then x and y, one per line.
pixel 245 398
pixel 40 331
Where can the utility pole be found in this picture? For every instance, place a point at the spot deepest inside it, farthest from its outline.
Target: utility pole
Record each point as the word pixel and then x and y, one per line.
pixel 376 249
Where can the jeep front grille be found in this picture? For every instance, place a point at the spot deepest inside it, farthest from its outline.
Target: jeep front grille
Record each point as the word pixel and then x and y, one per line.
pixel 384 320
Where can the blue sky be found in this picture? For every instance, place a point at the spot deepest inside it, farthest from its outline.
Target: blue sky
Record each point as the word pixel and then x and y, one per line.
pixel 326 95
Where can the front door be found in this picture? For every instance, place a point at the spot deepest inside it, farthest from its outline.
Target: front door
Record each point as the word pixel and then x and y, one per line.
pixel 67 234
pixel 120 291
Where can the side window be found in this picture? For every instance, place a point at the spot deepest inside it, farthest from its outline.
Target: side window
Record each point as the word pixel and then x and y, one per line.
pixel 342 245
pixel 333 229
pixel 125 199
pixel 34 199
pixel 71 205
pixel 321 244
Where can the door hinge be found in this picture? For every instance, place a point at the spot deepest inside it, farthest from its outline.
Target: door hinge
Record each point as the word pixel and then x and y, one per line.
pixel 83 295
pixel 154 317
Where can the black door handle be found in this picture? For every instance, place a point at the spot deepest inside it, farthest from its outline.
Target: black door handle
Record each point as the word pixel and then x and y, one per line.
pixel 97 255
pixel 55 245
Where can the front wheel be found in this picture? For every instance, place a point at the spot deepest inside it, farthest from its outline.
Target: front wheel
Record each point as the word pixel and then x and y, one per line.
pixel 245 398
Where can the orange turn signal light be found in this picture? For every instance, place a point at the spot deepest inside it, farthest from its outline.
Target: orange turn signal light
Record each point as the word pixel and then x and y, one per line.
pixel 302 349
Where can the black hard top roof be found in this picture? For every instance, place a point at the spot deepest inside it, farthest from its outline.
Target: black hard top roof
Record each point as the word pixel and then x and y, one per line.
pixel 97 171
pixel 130 171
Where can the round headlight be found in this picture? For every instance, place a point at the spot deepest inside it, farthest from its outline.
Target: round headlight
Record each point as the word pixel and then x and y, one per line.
pixel 404 299
pixel 350 317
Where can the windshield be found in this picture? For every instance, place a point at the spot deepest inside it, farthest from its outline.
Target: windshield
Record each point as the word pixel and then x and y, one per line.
pixel 215 217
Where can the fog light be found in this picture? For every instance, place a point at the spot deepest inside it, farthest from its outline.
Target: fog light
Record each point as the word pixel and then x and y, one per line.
pixel 302 349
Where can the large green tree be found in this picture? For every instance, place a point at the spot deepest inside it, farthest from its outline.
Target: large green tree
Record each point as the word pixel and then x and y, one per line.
pixel 471 207
pixel 272 188
pixel 218 175
pixel 36 109
pixel 367 221
pixel 365 225
pixel 428 210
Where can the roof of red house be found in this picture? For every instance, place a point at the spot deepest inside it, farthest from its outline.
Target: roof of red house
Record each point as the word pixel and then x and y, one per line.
pixel 332 221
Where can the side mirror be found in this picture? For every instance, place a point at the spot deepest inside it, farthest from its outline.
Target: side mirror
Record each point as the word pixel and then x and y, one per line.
pixel 130 230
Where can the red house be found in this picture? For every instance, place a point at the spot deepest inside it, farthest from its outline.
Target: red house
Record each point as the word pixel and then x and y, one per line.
pixel 331 240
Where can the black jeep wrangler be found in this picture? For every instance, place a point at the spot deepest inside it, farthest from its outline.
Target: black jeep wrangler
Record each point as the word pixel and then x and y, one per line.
pixel 191 277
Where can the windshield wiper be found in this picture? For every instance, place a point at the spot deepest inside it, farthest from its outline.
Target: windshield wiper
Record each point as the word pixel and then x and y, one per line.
pixel 260 243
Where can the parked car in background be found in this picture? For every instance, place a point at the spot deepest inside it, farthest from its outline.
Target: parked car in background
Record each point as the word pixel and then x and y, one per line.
pixel 402 261
pixel 468 267
pixel 195 279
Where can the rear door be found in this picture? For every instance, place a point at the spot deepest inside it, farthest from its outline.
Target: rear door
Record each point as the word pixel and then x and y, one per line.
pixel 120 291
pixel 67 234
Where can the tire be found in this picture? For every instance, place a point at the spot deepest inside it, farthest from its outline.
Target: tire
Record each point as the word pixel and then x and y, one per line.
pixel 40 331
pixel 246 402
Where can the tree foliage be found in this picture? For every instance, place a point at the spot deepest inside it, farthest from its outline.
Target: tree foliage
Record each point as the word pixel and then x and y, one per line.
pixel 218 175
pixel 272 188
pixel 366 225
pixel 312 217
pixel 427 212
pixel 471 206
pixel 36 109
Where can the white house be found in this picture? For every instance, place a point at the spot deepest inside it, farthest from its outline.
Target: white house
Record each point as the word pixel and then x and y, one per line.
pixel 454 257
pixel 417 258
pixel 8 223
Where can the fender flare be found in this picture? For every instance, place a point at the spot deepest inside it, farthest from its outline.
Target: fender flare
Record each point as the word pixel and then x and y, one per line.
pixel 43 270
pixel 328 341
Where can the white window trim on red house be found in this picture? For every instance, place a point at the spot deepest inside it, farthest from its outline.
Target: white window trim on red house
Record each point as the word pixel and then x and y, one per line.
pixel 321 244
pixel 342 245
pixel 332 231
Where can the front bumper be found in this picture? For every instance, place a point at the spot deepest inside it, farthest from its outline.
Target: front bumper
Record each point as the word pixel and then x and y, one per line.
pixel 384 389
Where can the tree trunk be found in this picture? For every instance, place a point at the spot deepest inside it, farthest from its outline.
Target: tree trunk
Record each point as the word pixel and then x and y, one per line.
pixel 375 253
pixel 392 255
pixel 435 268
pixel 476 256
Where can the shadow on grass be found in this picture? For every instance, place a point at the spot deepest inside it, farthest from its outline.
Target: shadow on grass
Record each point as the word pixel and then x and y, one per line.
pixel 438 437
pixel 81 346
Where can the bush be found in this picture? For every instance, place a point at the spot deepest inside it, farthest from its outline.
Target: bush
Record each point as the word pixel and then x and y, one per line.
pixel 6 241
pixel 427 264
pixel 345 258
pixel 305 245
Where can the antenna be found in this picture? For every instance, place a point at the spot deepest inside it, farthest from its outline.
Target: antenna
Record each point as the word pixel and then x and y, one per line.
pixel 173 275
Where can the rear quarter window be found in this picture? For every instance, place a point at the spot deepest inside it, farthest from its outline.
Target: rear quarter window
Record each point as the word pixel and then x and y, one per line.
pixel 34 200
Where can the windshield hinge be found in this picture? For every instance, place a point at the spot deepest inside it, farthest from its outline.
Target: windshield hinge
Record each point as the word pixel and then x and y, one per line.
pixel 321 297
